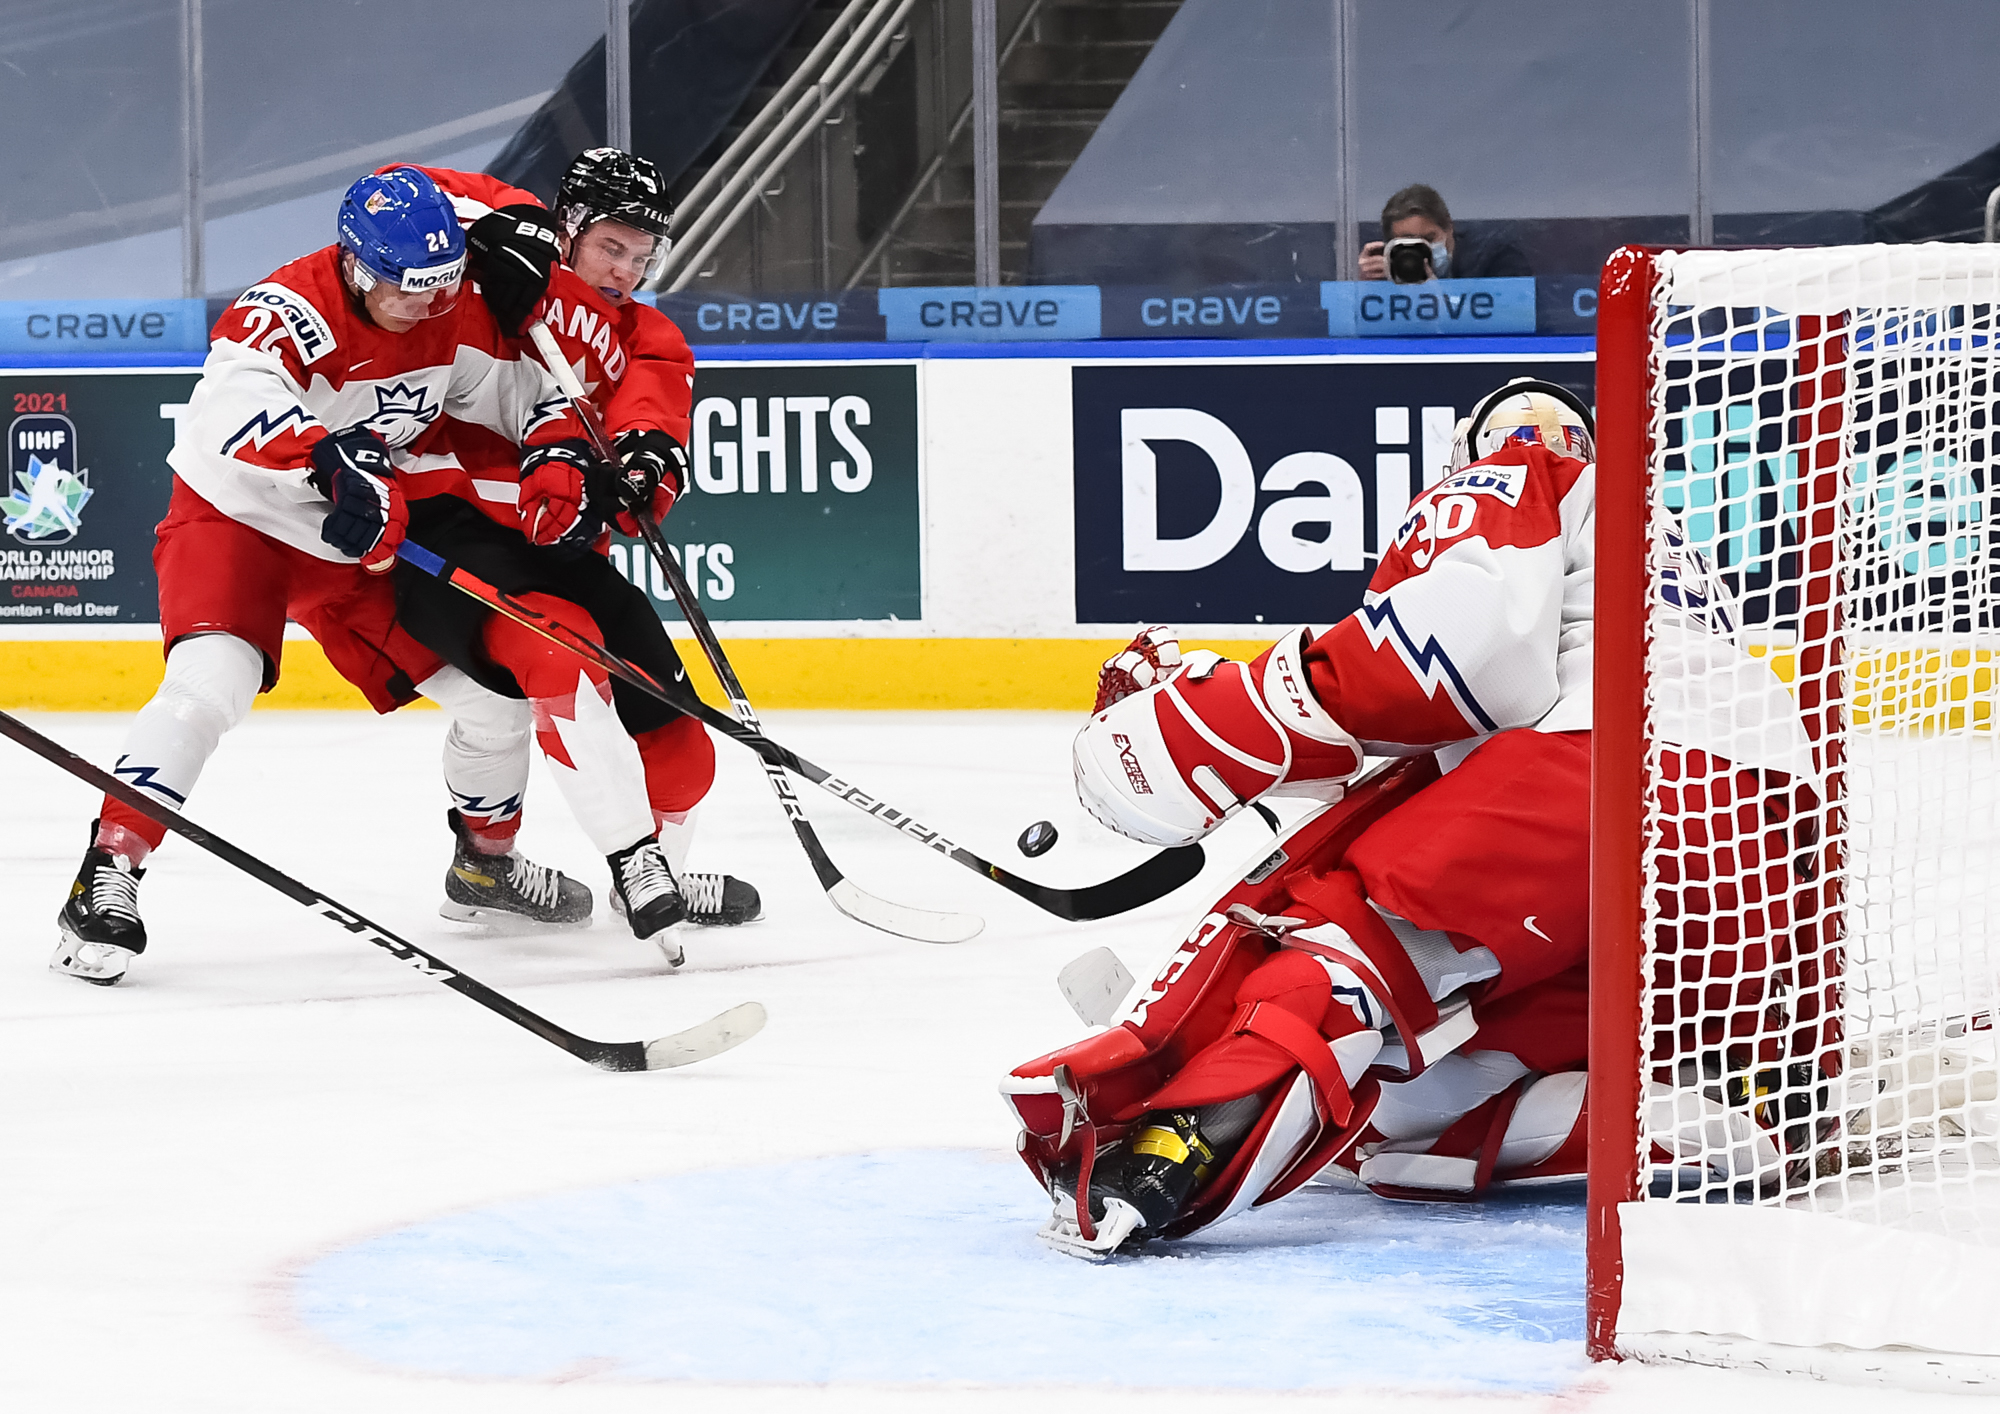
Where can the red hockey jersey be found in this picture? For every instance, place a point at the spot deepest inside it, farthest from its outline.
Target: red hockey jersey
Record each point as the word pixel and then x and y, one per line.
pixel 631 359
pixel 294 358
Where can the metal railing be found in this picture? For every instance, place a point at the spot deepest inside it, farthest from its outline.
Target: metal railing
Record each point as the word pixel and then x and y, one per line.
pixel 730 189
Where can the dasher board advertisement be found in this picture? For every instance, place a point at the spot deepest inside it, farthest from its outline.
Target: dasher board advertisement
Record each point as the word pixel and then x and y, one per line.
pixel 86 481
pixel 1246 493
pixel 803 503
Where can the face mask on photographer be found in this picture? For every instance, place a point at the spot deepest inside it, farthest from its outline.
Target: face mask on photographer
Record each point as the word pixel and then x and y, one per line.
pixel 1441 260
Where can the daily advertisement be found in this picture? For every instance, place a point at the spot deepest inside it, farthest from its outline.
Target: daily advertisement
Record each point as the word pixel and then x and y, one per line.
pixel 1247 493
pixel 85 483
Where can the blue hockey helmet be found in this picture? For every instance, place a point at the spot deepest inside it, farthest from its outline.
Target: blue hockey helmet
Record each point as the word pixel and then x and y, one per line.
pixel 402 231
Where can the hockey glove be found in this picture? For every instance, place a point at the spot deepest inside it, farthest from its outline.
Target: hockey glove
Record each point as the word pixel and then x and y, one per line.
pixel 557 507
pixel 1149 658
pixel 352 469
pixel 511 253
pixel 650 476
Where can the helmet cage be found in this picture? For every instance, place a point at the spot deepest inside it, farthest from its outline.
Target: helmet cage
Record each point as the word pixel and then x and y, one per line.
pixel 1467 435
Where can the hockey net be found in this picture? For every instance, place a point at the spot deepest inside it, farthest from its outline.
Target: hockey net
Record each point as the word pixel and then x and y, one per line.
pixel 1795 1100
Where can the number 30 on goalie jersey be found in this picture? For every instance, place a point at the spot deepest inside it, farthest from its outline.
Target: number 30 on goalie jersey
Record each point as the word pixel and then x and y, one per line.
pixel 1485 588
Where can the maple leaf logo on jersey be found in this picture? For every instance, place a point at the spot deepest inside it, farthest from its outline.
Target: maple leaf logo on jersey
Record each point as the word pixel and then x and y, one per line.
pixel 402 413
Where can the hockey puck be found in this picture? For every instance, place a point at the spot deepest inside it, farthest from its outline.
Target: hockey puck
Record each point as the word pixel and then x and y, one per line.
pixel 1038 838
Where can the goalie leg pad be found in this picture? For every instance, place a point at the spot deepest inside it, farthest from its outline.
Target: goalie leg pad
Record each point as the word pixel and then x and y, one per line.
pixel 1533 1130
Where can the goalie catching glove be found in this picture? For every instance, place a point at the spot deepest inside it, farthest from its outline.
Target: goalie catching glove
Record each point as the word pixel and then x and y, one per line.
pixel 1154 654
pixel 352 469
pixel 1167 764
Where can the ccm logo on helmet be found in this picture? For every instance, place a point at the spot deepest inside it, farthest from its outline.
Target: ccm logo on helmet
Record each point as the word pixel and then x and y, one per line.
pixel 1130 762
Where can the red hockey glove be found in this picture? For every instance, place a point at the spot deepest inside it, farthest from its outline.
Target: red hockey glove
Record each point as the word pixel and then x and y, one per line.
pixel 1151 657
pixel 556 505
pixel 352 469
pixel 652 472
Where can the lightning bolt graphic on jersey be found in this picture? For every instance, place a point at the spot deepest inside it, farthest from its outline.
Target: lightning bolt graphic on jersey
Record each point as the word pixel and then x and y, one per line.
pixel 141 778
pixel 1430 665
pixel 554 410
pixel 263 428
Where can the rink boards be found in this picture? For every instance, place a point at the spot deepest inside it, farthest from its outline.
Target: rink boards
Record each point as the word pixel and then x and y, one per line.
pixel 886 526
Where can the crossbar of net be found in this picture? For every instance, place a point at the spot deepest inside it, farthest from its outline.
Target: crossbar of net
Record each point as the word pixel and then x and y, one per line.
pixel 1820 895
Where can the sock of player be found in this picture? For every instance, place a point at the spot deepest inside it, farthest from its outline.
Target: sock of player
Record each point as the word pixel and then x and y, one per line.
pixel 596 765
pixel 210 682
pixel 485 757
pixel 680 768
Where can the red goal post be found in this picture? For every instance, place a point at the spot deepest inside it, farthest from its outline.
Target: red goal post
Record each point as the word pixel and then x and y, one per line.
pixel 1795 870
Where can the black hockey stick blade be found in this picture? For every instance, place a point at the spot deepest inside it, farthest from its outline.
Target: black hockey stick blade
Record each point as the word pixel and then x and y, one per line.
pixel 1154 878
pixel 710 1038
pixel 921 925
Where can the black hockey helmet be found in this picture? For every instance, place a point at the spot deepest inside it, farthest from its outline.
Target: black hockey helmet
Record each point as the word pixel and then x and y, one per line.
pixel 604 184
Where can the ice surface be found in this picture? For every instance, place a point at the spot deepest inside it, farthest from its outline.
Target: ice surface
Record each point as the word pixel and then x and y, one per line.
pixel 206 1167
pixel 923 1265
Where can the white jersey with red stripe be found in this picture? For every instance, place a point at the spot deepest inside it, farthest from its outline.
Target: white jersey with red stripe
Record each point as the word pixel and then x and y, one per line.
pixel 294 359
pixel 1479 619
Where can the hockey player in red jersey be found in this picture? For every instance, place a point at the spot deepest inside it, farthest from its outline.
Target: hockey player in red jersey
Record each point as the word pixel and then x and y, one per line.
pixel 543 535
pixel 1398 986
pixel 285 502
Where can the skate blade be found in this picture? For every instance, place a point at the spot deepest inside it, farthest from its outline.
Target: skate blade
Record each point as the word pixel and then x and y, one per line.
pixel 504 922
pixel 1120 1220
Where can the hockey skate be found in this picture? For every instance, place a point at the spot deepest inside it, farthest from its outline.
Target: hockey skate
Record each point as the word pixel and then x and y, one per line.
pixel 503 888
pixel 713 901
pixel 100 924
pixel 1136 1188
pixel 644 890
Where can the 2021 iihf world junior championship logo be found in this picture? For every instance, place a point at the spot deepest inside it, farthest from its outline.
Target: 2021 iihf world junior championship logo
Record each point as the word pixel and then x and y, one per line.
pixel 46 490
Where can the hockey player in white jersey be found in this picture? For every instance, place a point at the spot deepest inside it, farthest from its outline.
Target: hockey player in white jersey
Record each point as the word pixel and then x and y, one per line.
pixel 286 503
pixel 1397 989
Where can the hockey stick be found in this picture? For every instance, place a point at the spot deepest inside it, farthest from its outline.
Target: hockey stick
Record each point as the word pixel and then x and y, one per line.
pixel 711 1038
pixel 1159 875
pixel 1155 878
pixel 923 925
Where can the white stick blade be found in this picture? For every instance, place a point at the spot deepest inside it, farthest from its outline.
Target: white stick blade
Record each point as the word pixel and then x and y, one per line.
pixel 1095 985
pixel 721 1032
pixel 919 924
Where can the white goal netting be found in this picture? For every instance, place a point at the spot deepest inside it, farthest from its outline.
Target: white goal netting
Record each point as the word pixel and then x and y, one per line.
pixel 1821 873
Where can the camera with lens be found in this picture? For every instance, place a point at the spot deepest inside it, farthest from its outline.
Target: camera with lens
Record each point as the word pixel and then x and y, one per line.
pixel 1409 260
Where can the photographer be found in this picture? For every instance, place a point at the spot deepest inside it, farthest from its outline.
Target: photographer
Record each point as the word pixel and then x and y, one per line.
pixel 1418 244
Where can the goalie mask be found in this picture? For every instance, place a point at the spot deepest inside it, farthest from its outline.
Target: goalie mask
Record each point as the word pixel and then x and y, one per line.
pixel 1525 410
